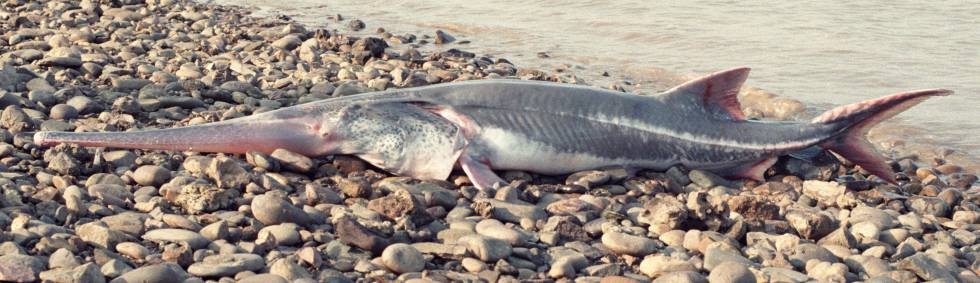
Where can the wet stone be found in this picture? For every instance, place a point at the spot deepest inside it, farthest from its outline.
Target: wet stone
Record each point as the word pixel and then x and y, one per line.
pixel 158 273
pixel 352 233
pixel 509 212
pixel 99 235
pixel 497 230
pixel 588 179
pixel 7 99
pixel 130 223
pixel 731 272
pixel 63 258
pixel 293 161
pixel 754 207
pixel 261 160
pixel 354 187
pixel 869 214
pixel 129 84
pixel 39 84
pixel 716 255
pixel 84 105
pixel 37 96
pixel 227 173
pixel 180 101
pixel 707 179
pixel 271 210
pixel 215 231
pixel 15 120
pixel 226 265
pixel 132 250
pixel 114 268
pixel 64 62
pixel 622 243
pixel 827 271
pixel 443 37
pixel 658 265
pixel 485 248
pixel 663 214
pixel 803 253
pixel 929 206
pixel 288 42
pixel 680 276
pixel 151 175
pixel 20 268
pixel 402 258
pixel 286 234
pixel 63 112
pixel 400 204
pixel 264 278
pixel 289 269
pixel 810 224
pixel 925 267
pixel 121 159
pixel 194 239
pixel 197 198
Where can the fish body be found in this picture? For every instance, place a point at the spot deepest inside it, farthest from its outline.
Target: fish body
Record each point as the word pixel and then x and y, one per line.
pixel 542 127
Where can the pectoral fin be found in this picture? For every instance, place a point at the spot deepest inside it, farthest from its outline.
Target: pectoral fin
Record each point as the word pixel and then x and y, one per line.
pixel 479 172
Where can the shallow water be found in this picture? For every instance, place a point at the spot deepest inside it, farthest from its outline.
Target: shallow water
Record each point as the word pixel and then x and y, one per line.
pixel 824 53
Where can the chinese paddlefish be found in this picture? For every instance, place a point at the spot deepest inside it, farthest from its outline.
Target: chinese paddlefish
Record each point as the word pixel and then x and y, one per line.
pixel 548 128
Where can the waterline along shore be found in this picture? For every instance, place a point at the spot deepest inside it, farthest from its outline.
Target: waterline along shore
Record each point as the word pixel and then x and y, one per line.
pixel 73 214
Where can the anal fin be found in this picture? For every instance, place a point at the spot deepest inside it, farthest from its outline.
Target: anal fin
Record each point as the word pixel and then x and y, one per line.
pixel 754 170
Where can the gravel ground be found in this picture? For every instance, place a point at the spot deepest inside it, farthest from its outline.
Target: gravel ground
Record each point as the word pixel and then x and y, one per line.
pixel 71 214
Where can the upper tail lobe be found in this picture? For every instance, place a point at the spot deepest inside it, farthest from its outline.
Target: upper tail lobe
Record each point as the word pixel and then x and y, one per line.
pixel 858 118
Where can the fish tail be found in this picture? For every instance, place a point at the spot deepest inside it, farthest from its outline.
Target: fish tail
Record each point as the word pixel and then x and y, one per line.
pixel 858 118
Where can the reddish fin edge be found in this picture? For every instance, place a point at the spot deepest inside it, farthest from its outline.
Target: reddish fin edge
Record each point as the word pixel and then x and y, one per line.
pixel 852 143
pixel 718 91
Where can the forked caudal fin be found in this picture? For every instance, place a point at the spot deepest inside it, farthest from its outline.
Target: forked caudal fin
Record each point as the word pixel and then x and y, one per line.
pixel 858 118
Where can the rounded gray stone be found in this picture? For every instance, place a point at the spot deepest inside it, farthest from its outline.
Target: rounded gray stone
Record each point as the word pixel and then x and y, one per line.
pixel 193 239
pixel 402 258
pixel 151 175
pixel 731 272
pixel 226 265
pixel 485 248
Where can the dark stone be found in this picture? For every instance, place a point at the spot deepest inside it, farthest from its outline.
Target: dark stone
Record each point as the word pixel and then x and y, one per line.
pixel 352 233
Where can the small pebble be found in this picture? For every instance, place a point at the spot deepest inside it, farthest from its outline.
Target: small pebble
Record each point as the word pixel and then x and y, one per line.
pixel 150 175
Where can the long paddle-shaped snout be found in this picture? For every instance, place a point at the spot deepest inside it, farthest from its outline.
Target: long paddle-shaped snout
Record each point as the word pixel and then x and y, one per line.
pixel 263 133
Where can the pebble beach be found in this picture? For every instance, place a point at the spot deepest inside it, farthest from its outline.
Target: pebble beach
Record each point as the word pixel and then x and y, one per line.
pixel 73 214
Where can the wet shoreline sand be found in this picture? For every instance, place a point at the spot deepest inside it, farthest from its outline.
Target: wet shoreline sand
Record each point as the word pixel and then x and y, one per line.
pixel 71 214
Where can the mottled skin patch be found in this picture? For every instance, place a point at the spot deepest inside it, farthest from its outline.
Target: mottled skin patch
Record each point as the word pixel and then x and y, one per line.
pixel 402 138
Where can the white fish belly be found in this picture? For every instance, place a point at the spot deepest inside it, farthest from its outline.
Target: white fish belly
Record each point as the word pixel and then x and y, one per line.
pixel 508 150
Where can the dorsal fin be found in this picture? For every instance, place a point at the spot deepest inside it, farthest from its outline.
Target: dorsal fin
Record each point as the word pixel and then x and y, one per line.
pixel 717 93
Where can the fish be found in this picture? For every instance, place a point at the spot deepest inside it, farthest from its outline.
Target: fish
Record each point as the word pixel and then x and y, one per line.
pixel 483 126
